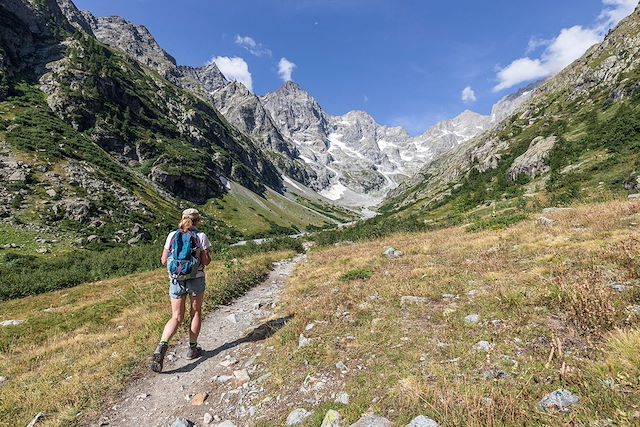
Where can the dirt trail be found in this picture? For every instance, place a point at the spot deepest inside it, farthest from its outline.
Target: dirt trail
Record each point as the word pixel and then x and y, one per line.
pixel 231 335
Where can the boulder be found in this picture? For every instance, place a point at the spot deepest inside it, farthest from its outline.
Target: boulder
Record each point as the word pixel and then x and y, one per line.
pixel 298 416
pixel 371 420
pixel 332 419
pixel 240 377
pixel 533 162
pixel 482 346
pixel 391 252
pixel 543 221
pixel 422 421
pixel 198 399
pixel 7 323
pixel 412 300
pixel 78 210
pixel 560 400
pixel 182 422
pixel 472 319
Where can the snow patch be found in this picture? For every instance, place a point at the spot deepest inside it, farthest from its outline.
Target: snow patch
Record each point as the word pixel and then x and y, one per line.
pixel 334 192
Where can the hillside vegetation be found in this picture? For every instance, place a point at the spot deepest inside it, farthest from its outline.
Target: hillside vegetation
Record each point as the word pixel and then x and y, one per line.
pixel 557 304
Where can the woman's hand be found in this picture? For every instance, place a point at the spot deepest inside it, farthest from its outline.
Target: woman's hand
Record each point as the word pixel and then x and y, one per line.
pixel 165 255
pixel 205 259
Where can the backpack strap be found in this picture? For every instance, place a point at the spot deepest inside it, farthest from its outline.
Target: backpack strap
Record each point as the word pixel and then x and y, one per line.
pixel 175 233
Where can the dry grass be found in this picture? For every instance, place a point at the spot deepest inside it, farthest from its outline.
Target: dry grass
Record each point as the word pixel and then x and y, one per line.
pixel 546 307
pixel 78 345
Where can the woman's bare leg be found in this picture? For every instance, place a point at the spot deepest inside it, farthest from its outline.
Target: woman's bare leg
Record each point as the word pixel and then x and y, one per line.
pixel 177 316
pixel 196 317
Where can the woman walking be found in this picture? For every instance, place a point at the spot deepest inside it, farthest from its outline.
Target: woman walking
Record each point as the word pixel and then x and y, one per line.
pixel 186 254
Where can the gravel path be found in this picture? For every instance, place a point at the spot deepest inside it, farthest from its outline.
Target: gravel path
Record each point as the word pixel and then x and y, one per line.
pixel 230 335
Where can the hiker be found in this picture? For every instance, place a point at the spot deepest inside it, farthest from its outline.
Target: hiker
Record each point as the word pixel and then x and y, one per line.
pixel 186 254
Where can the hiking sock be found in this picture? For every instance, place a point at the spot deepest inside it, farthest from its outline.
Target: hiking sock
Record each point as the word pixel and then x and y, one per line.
pixel 164 343
pixel 193 344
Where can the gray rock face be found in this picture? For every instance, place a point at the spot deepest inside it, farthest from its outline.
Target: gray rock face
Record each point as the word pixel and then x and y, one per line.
pixel 134 40
pixel 534 161
pixel 560 400
pixel 371 420
pixel 201 80
pixel 78 210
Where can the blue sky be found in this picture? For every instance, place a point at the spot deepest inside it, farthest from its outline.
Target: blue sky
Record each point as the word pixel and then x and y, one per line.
pixel 406 62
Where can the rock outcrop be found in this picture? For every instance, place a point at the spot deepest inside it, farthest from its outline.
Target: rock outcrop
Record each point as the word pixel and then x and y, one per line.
pixel 534 161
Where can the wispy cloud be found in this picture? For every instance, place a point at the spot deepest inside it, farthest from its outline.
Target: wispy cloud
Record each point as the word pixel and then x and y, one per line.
pixel 234 69
pixel 468 95
pixel 252 46
pixel 562 50
pixel 285 69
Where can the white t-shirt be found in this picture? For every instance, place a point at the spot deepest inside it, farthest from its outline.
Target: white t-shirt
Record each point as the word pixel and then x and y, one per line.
pixel 202 239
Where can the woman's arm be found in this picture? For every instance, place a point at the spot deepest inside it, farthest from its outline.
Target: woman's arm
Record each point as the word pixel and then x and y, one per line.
pixel 205 258
pixel 165 255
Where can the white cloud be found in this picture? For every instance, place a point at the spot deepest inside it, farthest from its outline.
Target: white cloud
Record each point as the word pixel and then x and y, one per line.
pixel 468 95
pixel 616 10
pixel 285 69
pixel 235 69
pixel 252 46
pixel 565 48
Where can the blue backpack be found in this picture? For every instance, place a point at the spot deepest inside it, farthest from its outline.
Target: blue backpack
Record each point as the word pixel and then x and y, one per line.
pixel 182 262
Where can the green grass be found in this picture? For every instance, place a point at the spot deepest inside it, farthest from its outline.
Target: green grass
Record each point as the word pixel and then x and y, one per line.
pixel 356 274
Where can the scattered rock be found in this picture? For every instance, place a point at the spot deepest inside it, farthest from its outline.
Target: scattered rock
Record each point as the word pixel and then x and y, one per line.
pixel 332 419
pixel 341 367
pixel 472 319
pixel 198 399
pixel 207 418
pixel 39 417
pixel 223 378
pixel 392 252
pixel 3 380
pixel 51 192
pixel 297 416
pixel 343 398
pixel 228 361
pixel 618 287
pixel 634 196
pixel 309 327
pixel 94 239
pixel 545 222
pixel 560 400
pixel 182 422
pixel 232 318
pixel 240 377
pixel 303 341
pixel 371 420
pixel 226 424
pixel 634 308
pixel 422 421
pixel 43 250
pixel 495 375
pixel 412 300
pixel 482 346
pixel 7 323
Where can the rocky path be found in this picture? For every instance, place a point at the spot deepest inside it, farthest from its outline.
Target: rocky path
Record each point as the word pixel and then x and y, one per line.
pixel 201 390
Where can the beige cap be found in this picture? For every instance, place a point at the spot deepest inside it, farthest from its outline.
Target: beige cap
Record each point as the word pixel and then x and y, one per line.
pixel 191 213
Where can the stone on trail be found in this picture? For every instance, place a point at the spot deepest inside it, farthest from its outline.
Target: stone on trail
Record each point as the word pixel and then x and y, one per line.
pixel 297 416
pixel 226 424
pixel 232 318
pixel 543 221
pixel 633 196
pixel 422 421
pixel 371 420
pixel 182 422
pixel 228 361
pixel 617 287
pixel 560 400
pixel 391 252
pixel 207 418
pixel 472 319
pixel 198 399
pixel 240 377
pixel 341 367
pixel 332 419
pixel 7 323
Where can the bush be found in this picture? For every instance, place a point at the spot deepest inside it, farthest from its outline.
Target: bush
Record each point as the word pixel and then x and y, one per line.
pixel 356 274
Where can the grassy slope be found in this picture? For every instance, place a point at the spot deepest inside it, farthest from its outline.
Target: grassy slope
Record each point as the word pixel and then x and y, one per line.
pixel 254 216
pixel 73 356
pixel 545 304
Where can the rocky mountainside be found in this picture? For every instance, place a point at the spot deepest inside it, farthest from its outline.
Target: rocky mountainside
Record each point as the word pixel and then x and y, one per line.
pixel 575 138
pixel 367 160
pixel 90 136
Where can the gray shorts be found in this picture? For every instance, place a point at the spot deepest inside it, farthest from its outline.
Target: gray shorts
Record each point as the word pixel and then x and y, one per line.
pixel 181 288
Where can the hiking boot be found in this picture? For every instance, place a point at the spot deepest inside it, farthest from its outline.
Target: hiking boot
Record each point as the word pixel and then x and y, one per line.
pixel 194 352
pixel 158 357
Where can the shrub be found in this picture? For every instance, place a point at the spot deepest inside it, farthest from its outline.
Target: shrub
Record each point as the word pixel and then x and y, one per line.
pixel 356 274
